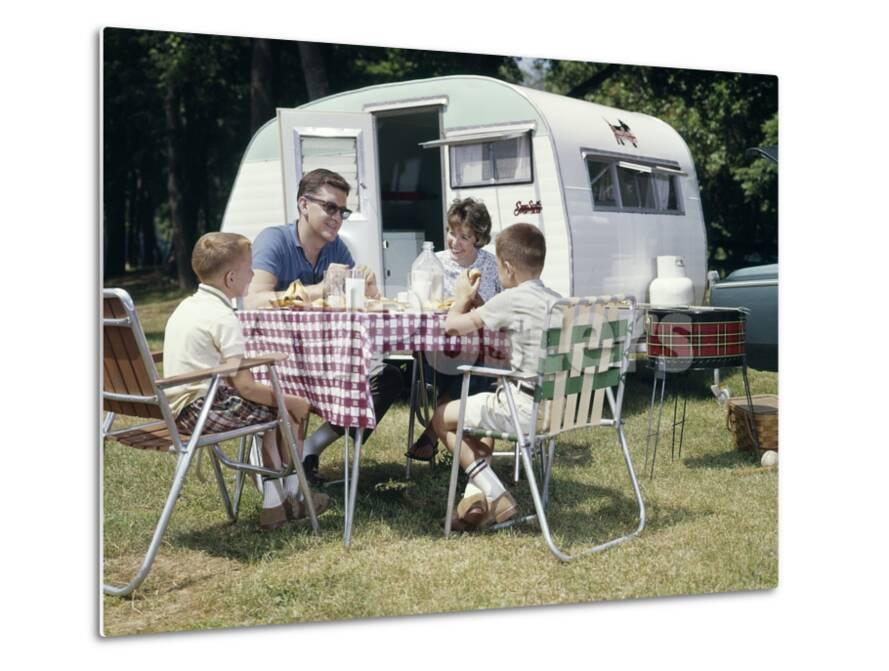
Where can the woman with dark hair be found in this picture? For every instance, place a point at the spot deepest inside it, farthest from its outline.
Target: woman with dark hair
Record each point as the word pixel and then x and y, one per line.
pixel 469 229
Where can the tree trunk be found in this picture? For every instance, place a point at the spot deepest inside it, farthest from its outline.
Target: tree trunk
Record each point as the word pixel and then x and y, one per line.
pixel 115 228
pixel 144 219
pixel 262 84
pixel 183 233
pixel 314 69
pixel 134 256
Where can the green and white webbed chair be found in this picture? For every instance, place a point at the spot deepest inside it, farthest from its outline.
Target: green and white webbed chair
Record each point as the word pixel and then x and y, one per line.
pixel 584 361
pixel 132 387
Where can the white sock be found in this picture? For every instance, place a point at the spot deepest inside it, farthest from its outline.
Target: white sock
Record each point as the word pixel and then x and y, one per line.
pixel 323 436
pixel 471 489
pixel 291 487
pixel 272 493
pixel 482 476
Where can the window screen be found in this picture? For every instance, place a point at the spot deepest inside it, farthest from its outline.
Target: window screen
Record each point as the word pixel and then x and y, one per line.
pixel 488 163
pixel 339 154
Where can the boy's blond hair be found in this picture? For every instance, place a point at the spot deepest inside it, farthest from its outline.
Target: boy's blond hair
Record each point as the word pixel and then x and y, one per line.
pixel 215 253
pixel 524 246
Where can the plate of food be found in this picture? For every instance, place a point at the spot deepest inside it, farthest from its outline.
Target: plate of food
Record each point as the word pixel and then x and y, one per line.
pixel 383 304
pixel 438 306
pixel 287 303
pixel 329 304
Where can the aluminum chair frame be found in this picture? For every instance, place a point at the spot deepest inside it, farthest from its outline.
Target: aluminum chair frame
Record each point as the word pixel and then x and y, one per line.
pixel 526 439
pixel 187 451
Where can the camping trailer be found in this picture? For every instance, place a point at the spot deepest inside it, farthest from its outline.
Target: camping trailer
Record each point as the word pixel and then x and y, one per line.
pixel 611 189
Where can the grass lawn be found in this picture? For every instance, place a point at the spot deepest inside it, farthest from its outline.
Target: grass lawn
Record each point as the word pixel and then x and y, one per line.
pixel 712 526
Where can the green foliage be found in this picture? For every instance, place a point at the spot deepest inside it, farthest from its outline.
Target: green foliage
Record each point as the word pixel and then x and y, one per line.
pixel 759 180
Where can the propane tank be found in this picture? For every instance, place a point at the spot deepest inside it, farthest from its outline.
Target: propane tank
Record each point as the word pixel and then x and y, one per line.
pixel 671 286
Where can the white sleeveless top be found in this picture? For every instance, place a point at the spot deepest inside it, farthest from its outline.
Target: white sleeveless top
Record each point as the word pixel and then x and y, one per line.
pixel 485 262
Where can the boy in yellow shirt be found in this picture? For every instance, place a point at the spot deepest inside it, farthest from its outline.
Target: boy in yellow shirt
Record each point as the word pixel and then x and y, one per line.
pixel 204 332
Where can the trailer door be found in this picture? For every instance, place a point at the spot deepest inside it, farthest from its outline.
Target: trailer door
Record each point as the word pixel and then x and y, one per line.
pixel 342 142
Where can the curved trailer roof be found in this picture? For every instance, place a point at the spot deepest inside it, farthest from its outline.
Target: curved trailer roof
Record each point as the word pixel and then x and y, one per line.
pixel 473 101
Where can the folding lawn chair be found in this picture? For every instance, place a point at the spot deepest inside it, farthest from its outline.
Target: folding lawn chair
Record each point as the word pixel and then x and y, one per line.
pixel 132 387
pixel 586 347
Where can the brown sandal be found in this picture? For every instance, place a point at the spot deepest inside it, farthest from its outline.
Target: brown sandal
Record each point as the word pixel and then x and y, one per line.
pixel 471 512
pixel 423 449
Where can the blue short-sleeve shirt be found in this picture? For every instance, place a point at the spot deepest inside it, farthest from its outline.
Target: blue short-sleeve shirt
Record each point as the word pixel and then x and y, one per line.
pixel 277 250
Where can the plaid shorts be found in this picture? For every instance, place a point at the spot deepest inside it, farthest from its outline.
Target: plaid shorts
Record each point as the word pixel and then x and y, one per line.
pixel 229 411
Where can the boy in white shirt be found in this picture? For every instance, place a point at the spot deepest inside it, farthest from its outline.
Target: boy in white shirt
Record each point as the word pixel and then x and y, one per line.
pixel 520 309
pixel 204 332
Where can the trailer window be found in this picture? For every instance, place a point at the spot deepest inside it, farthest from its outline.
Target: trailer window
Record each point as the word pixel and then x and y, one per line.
pixel 634 185
pixel 666 193
pixel 490 163
pixel 339 154
pixel 602 181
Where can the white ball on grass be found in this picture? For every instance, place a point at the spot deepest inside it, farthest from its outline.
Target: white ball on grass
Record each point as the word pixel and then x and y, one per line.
pixel 769 458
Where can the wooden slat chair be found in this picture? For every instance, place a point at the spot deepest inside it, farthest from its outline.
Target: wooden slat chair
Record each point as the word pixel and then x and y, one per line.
pixel 584 362
pixel 133 388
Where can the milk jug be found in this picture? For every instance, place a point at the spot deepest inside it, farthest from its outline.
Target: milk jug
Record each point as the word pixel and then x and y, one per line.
pixel 427 276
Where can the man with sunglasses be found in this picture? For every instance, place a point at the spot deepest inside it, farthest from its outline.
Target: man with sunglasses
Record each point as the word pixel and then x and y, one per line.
pixel 304 251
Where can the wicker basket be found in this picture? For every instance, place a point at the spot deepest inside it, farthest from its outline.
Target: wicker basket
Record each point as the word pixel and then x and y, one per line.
pixel 765 414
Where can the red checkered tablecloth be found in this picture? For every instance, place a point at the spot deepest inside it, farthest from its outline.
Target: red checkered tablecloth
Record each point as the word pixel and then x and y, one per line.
pixel 330 352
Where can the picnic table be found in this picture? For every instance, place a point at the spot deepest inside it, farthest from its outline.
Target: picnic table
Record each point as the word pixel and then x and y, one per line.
pixel 330 354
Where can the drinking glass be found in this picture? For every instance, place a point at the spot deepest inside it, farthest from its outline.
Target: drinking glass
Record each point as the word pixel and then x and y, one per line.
pixel 335 287
pixel 355 287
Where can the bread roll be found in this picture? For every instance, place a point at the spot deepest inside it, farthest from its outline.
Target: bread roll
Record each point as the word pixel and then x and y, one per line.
pixel 474 274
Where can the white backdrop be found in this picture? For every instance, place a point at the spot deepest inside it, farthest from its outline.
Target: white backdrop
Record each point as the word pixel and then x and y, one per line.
pixel 830 87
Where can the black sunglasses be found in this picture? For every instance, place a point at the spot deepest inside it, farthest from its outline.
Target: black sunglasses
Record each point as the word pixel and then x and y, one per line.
pixel 330 208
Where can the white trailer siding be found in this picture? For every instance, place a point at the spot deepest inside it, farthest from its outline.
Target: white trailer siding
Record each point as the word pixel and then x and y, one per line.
pixel 257 198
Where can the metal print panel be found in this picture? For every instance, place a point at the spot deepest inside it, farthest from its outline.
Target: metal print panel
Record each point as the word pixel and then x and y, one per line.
pixel 272 453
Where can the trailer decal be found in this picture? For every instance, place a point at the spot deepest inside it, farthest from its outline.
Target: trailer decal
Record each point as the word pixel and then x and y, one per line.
pixel 622 133
pixel 527 208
